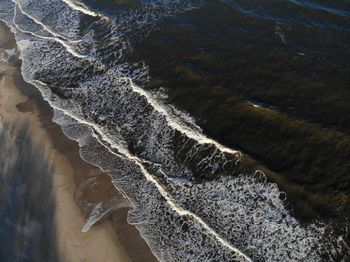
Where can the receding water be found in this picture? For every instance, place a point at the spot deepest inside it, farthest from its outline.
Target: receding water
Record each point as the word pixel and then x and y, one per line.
pixel 167 94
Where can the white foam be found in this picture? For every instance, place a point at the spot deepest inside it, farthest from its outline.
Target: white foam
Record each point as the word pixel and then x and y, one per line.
pixel 23 44
pixel 100 212
pixel 204 204
pixel 174 123
pixel 8 54
pixel 179 210
pixel 254 105
pixel 82 8
pixel 199 137
pixel 63 43
pixel 279 32
pixel 38 22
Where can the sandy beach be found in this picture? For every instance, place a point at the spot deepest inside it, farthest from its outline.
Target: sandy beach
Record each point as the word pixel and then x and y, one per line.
pixel 77 186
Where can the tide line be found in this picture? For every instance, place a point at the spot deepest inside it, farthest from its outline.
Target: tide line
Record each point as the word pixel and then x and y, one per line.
pixel 63 43
pixel 193 134
pixel 83 9
pixel 38 22
pixel 126 154
pixel 199 137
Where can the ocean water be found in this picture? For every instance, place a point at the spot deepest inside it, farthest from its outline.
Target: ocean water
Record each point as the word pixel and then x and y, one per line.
pixel 193 200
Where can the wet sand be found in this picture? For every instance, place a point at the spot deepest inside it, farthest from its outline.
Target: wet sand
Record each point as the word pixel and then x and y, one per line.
pixel 77 185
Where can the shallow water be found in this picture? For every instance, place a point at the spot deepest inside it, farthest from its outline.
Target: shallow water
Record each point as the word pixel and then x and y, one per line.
pixel 101 66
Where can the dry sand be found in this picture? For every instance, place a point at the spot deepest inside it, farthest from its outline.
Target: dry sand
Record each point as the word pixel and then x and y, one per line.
pixel 112 240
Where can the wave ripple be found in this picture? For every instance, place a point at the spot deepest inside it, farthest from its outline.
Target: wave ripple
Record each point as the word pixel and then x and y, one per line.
pixel 191 202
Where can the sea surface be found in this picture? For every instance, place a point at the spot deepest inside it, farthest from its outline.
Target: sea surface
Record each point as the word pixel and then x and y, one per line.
pixel 184 102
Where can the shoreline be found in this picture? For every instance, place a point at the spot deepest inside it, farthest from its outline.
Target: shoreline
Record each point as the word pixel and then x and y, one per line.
pixel 78 185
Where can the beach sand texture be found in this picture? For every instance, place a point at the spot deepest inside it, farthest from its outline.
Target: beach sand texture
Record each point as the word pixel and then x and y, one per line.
pixel 23 111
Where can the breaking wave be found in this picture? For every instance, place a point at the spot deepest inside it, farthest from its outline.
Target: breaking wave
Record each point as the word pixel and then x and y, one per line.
pixel 191 202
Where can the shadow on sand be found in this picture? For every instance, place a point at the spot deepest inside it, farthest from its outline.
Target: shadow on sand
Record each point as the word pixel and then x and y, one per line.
pixel 27 205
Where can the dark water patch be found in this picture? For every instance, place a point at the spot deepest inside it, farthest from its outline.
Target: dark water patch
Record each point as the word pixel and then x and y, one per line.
pixel 323 14
pixel 27 204
pixel 210 68
pixel 299 77
pixel 156 154
pixel 113 7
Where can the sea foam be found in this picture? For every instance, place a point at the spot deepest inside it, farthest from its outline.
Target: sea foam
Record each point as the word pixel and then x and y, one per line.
pixel 191 202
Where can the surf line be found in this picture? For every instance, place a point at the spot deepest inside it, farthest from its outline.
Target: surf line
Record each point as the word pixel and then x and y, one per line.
pixel 198 136
pixel 83 9
pixel 122 152
pixel 66 46
pixel 41 24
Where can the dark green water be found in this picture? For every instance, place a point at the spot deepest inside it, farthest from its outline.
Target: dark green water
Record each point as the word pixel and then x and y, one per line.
pixel 269 78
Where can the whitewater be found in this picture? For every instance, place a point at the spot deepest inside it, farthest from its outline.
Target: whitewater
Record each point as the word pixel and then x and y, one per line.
pixel 191 201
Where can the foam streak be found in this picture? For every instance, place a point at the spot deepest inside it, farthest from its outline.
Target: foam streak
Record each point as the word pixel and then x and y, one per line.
pixel 126 154
pixel 38 22
pixel 80 8
pixel 63 43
